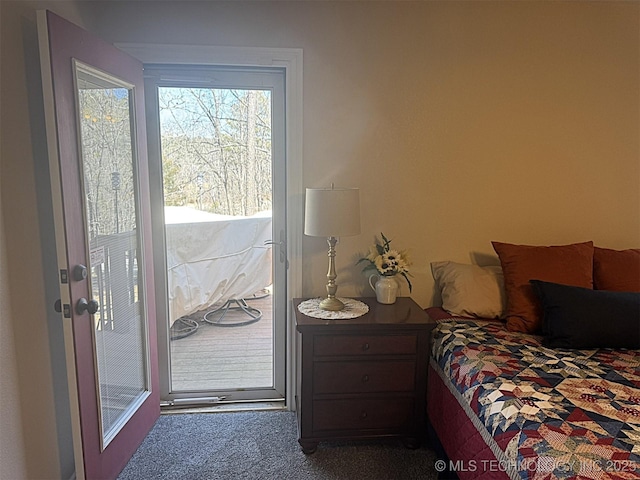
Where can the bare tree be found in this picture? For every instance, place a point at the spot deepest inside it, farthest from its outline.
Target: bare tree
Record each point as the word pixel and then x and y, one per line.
pixel 216 149
pixel 107 160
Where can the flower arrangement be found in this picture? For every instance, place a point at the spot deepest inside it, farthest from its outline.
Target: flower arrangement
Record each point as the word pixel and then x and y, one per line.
pixel 386 261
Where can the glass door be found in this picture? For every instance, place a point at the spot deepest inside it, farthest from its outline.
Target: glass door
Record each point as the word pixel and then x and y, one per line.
pixel 113 239
pixel 221 140
pixel 93 99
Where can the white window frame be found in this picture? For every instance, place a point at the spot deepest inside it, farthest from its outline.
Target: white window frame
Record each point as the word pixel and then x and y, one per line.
pixel 290 59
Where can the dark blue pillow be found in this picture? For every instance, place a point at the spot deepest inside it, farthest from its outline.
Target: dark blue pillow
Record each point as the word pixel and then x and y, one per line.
pixel 576 317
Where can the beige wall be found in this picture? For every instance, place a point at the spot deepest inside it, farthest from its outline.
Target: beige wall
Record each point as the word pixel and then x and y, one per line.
pixel 35 389
pixel 461 123
pixel 12 454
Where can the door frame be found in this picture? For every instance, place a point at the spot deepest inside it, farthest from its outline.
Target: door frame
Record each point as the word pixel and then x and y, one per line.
pixel 289 59
pixel 231 78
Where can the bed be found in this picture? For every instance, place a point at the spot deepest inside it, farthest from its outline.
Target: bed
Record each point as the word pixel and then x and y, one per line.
pixel 504 403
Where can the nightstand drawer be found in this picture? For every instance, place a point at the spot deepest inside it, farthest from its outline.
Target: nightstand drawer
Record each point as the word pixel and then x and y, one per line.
pixel 360 377
pixel 363 414
pixel 328 345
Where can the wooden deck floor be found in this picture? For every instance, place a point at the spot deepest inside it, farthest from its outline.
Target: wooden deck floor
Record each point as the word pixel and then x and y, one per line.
pixel 225 358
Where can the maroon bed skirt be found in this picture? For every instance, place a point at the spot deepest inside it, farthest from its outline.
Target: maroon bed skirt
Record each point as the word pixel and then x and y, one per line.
pixel 469 455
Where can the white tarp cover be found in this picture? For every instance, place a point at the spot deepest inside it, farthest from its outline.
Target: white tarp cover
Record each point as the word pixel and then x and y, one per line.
pixel 213 258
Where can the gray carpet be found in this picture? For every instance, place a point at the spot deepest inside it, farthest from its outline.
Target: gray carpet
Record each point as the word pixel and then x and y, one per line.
pixel 263 445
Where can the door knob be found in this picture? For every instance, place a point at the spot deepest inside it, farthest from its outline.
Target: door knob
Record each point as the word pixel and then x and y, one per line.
pixel 90 306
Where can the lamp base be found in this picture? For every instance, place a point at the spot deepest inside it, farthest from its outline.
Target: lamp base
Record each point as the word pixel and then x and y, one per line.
pixel 332 304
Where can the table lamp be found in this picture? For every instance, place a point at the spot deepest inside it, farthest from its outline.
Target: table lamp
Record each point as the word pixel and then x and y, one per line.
pixel 332 212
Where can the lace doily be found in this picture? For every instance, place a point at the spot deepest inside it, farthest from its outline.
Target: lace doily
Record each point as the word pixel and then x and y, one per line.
pixel 352 309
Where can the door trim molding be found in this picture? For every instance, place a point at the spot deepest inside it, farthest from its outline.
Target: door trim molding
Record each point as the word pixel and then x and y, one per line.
pixel 290 59
pixel 60 238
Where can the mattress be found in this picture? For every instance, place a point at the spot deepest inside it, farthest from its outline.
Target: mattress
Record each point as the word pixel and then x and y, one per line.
pixel 504 406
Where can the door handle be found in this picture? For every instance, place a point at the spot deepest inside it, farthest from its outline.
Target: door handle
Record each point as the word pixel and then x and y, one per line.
pixel 283 247
pixel 90 306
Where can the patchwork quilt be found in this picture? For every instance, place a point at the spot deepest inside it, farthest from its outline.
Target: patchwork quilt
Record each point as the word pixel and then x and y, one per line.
pixel 545 413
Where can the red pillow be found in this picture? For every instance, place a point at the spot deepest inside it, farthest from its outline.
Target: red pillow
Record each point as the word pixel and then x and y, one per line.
pixel 616 270
pixel 566 264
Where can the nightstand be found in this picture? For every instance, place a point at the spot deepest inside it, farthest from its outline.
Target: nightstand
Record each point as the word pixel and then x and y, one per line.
pixel 363 378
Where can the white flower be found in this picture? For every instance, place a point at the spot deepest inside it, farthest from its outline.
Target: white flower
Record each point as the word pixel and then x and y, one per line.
pixel 383 265
pixel 392 256
pixel 387 261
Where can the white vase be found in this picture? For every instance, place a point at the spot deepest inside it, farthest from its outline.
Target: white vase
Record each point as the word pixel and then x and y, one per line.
pixel 386 288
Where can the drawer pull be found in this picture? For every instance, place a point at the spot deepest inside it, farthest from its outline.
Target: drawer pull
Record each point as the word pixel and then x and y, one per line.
pixel 365 378
pixel 365 346
pixel 363 415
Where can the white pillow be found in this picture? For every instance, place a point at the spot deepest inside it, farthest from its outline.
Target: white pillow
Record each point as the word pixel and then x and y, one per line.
pixel 470 290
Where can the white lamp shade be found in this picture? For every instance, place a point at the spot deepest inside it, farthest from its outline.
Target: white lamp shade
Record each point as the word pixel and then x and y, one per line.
pixel 332 212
